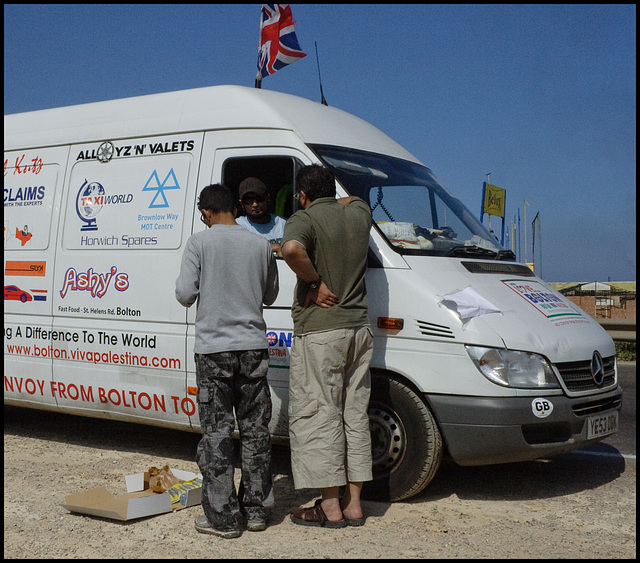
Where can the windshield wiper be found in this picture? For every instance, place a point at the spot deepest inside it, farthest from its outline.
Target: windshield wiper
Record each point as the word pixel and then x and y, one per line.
pixel 472 250
pixel 506 255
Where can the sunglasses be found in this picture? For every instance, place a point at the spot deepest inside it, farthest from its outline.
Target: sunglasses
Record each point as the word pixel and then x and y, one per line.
pixel 248 200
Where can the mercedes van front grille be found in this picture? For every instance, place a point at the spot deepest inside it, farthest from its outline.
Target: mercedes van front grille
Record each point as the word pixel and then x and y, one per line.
pixel 577 375
pixel 431 329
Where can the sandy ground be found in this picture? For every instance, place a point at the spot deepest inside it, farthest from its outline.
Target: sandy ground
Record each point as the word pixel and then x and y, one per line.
pixel 571 506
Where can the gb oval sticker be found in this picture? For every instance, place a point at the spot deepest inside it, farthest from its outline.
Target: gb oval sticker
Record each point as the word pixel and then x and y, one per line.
pixel 541 407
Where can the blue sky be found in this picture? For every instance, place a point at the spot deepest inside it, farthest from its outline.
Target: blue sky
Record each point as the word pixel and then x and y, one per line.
pixel 543 97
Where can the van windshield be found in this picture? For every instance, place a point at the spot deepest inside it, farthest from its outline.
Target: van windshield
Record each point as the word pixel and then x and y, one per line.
pixel 411 208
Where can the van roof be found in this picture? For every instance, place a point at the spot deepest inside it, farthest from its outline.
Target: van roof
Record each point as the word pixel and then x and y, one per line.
pixel 209 108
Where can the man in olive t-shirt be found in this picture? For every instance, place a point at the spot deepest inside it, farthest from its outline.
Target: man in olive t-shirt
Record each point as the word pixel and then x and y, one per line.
pixel 326 245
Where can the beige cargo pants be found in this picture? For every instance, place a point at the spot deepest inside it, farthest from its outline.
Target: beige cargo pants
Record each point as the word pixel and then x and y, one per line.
pixel 329 391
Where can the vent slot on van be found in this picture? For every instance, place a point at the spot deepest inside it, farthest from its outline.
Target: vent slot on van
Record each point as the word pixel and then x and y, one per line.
pixel 594 407
pixel 431 329
pixel 498 268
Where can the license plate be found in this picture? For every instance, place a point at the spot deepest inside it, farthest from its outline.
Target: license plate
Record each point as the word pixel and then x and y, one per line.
pixel 602 425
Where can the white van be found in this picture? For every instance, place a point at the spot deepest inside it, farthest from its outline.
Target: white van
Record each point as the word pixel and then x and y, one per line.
pixel 473 353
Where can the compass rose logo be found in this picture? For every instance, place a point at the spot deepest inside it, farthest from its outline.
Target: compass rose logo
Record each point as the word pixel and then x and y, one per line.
pixel 153 184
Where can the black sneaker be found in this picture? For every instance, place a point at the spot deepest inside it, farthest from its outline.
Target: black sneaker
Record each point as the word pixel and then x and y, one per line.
pixel 203 526
pixel 256 524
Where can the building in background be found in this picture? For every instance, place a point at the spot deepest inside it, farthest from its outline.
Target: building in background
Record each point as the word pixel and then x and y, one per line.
pixel 610 300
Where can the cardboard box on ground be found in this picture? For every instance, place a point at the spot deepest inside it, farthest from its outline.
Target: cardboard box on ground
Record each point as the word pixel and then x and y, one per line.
pixel 156 491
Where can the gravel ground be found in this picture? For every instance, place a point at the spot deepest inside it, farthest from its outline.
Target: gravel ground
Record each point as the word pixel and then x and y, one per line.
pixel 555 508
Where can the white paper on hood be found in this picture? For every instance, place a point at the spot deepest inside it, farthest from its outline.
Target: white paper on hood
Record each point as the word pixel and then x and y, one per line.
pixel 468 303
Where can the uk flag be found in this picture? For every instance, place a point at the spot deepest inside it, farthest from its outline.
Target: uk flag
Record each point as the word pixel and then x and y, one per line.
pixel 278 42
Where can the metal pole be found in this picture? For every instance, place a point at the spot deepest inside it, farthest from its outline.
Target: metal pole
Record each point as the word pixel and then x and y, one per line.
pixel 540 241
pixel 525 231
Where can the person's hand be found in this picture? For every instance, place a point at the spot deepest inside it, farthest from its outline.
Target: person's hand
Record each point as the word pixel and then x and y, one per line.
pixel 321 296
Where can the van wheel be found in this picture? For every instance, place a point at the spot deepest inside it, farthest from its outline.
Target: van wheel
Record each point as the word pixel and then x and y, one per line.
pixel 405 441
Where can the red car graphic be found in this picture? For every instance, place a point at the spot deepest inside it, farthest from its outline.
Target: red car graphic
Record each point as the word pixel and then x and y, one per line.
pixel 14 293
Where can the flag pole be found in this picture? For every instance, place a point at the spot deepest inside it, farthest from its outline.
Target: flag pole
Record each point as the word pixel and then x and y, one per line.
pixel 258 82
pixel 525 230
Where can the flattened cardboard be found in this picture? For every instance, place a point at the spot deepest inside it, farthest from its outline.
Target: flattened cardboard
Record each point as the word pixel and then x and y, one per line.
pixel 139 502
pixel 100 502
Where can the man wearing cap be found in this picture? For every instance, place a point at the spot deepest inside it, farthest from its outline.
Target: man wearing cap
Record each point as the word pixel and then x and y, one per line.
pixel 255 200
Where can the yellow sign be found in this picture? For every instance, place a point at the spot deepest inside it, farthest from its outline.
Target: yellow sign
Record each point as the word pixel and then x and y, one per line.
pixel 494 198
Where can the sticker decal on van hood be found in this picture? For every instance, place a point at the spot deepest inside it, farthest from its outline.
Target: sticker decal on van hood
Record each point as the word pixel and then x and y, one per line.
pixel 552 306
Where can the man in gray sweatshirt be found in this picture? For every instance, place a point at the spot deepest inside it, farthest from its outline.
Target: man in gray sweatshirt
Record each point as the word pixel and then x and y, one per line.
pixel 232 273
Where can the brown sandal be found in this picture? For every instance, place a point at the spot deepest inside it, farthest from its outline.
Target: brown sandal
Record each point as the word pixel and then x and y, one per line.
pixel 315 516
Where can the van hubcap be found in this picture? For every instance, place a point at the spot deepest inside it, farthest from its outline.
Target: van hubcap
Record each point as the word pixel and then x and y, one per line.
pixel 387 439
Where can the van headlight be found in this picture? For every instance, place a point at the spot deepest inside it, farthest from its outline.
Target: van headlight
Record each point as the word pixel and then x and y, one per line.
pixel 511 368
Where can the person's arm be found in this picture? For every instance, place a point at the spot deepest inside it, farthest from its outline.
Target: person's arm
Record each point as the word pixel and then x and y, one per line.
pixel 298 260
pixel 276 249
pixel 188 282
pixel 273 286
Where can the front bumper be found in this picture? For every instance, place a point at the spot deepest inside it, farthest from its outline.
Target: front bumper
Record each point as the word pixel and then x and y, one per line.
pixel 488 430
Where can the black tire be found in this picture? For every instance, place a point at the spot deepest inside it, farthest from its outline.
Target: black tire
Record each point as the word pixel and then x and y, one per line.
pixel 405 440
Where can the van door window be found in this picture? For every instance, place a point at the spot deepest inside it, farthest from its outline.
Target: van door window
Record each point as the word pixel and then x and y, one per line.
pixel 277 172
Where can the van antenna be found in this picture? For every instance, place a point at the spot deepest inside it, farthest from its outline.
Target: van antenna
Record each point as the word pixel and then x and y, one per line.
pixel 322 100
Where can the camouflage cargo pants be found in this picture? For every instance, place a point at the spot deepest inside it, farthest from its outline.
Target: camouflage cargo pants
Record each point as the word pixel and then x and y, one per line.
pixel 229 381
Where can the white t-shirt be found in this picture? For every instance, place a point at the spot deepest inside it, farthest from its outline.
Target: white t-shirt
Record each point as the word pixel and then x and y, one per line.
pixel 272 231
